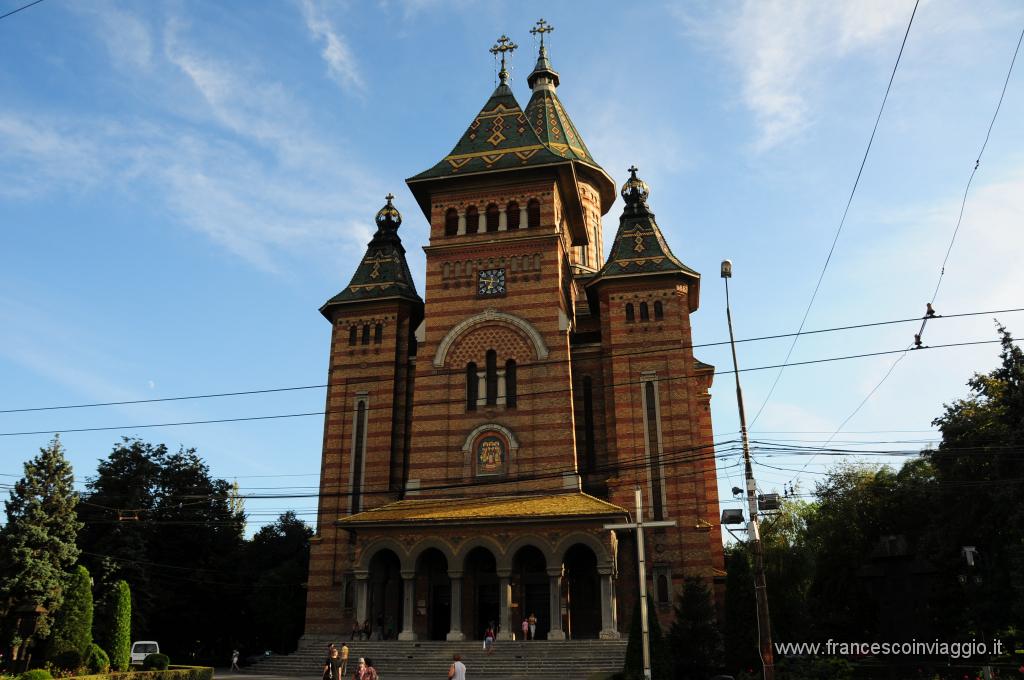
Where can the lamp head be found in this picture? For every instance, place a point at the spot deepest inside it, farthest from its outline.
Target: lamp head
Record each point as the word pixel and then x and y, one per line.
pixel 726 269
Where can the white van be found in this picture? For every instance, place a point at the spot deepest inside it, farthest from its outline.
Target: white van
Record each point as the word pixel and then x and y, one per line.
pixel 143 648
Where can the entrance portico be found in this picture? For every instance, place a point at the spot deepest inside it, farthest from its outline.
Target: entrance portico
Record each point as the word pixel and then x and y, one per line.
pixel 448 569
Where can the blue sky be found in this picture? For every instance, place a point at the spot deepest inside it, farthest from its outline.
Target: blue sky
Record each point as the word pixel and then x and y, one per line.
pixel 182 185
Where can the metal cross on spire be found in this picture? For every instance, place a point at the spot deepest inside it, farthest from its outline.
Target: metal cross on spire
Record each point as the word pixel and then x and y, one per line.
pixel 502 46
pixel 540 29
pixel 390 197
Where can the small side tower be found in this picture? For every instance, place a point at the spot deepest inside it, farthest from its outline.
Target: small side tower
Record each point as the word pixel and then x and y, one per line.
pixel 657 405
pixel 366 429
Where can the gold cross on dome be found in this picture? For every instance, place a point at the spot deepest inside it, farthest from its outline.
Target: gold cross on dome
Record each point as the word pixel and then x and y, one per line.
pixel 502 46
pixel 390 197
pixel 542 28
pixel 632 170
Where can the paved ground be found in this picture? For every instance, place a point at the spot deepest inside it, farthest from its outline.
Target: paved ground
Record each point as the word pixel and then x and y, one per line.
pixel 225 674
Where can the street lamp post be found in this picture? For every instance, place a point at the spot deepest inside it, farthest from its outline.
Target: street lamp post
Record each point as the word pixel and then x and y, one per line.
pixel 764 630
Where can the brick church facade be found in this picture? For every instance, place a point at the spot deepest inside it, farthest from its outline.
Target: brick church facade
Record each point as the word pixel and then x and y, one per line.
pixel 478 438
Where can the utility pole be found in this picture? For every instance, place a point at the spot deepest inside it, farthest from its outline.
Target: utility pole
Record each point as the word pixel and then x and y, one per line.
pixel 639 525
pixel 764 626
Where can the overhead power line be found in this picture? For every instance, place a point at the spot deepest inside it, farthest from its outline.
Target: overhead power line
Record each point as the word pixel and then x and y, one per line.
pixel 461 400
pixel 952 240
pixel 547 362
pixel 842 221
pixel 23 7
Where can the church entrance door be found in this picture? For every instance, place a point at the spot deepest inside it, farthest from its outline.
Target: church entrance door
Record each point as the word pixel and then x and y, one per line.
pixel 481 585
pixel 433 588
pixel 384 608
pixel 582 593
pixel 531 588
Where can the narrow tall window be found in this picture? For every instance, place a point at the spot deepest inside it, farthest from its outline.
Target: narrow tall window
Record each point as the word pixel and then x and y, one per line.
pixel 472 219
pixel 629 312
pixel 512 215
pixel 472 385
pixel 451 222
pixel 663 589
pixel 654 454
pixel 510 383
pixel 378 333
pixel 492 377
pixel 358 444
pixel 366 334
pixel 588 423
pixel 533 214
pixel 352 332
pixel 493 217
pixel 659 311
pixel 645 315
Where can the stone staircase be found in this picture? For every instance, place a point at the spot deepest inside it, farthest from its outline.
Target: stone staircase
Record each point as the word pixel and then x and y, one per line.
pixel 568 660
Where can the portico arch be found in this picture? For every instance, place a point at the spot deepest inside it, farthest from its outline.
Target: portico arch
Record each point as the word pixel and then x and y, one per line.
pixel 384 544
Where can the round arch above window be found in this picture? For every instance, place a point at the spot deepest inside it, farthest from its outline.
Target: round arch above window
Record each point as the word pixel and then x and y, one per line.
pixel 489 450
pixel 486 317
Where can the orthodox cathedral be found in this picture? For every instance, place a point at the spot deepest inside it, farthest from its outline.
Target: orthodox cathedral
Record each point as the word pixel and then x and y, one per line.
pixel 480 437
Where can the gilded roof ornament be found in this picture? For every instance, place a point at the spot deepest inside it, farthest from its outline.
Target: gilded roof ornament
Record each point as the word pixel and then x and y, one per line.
pixel 635 191
pixel 388 217
pixel 503 45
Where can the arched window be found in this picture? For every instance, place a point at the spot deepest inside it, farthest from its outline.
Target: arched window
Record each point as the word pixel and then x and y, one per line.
pixel 659 311
pixel 644 314
pixel 533 214
pixel 472 386
pixel 378 333
pixel 472 219
pixel 653 450
pixel 358 444
pixel 366 334
pixel 629 312
pixel 510 383
pixel 492 217
pixel 451 222
pixel 588 423
pixel 352 332
pixel 512 215
pixel 662 589
pixel 492 377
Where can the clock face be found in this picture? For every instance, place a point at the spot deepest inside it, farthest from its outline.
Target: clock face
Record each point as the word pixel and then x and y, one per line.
pixel 490 282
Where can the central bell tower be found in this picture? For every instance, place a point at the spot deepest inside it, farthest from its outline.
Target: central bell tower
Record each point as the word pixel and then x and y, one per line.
pixel 515 214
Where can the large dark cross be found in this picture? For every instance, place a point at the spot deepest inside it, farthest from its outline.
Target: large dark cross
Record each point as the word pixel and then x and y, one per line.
pixel 542 28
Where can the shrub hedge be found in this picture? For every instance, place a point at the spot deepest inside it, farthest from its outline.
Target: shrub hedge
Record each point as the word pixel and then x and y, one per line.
pixel 172 673
pixel 36 674
pixel 96 660
pixel 156 662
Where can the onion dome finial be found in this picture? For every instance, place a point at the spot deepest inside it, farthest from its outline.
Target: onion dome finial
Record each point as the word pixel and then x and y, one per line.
pixel 388 218
pixel 635 191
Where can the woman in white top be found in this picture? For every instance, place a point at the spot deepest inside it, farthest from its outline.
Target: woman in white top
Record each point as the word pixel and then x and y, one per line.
pixel 458 669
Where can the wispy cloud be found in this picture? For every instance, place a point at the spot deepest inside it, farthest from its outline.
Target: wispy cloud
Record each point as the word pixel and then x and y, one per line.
pixel 341 63
pixel 783 49
pixel 126 36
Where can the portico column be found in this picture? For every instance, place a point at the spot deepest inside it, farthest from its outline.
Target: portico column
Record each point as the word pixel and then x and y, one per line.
pixel 502 219
pixel 609 622
pixel 362 590
pixel 504 605
pixel 409 594
pixel 555 598
pixel 462 223
pixel 456 634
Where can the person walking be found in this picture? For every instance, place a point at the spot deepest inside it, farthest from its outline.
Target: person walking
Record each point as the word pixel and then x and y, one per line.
pixel 332 664
pixel 489 640
pixel 234 660
pixel 344 659
pixel 526 628
pixel 366 671
pixel 457 671
pixel 533 626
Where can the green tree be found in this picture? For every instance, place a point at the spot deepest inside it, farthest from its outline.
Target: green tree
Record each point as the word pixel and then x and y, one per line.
pixel 789 569
pixel 277 565
pixel 37 544
pixel 740 632
pixel 72 626
pixel 661 664
pixel 694 639
pixel 118 638
pixel 980 498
